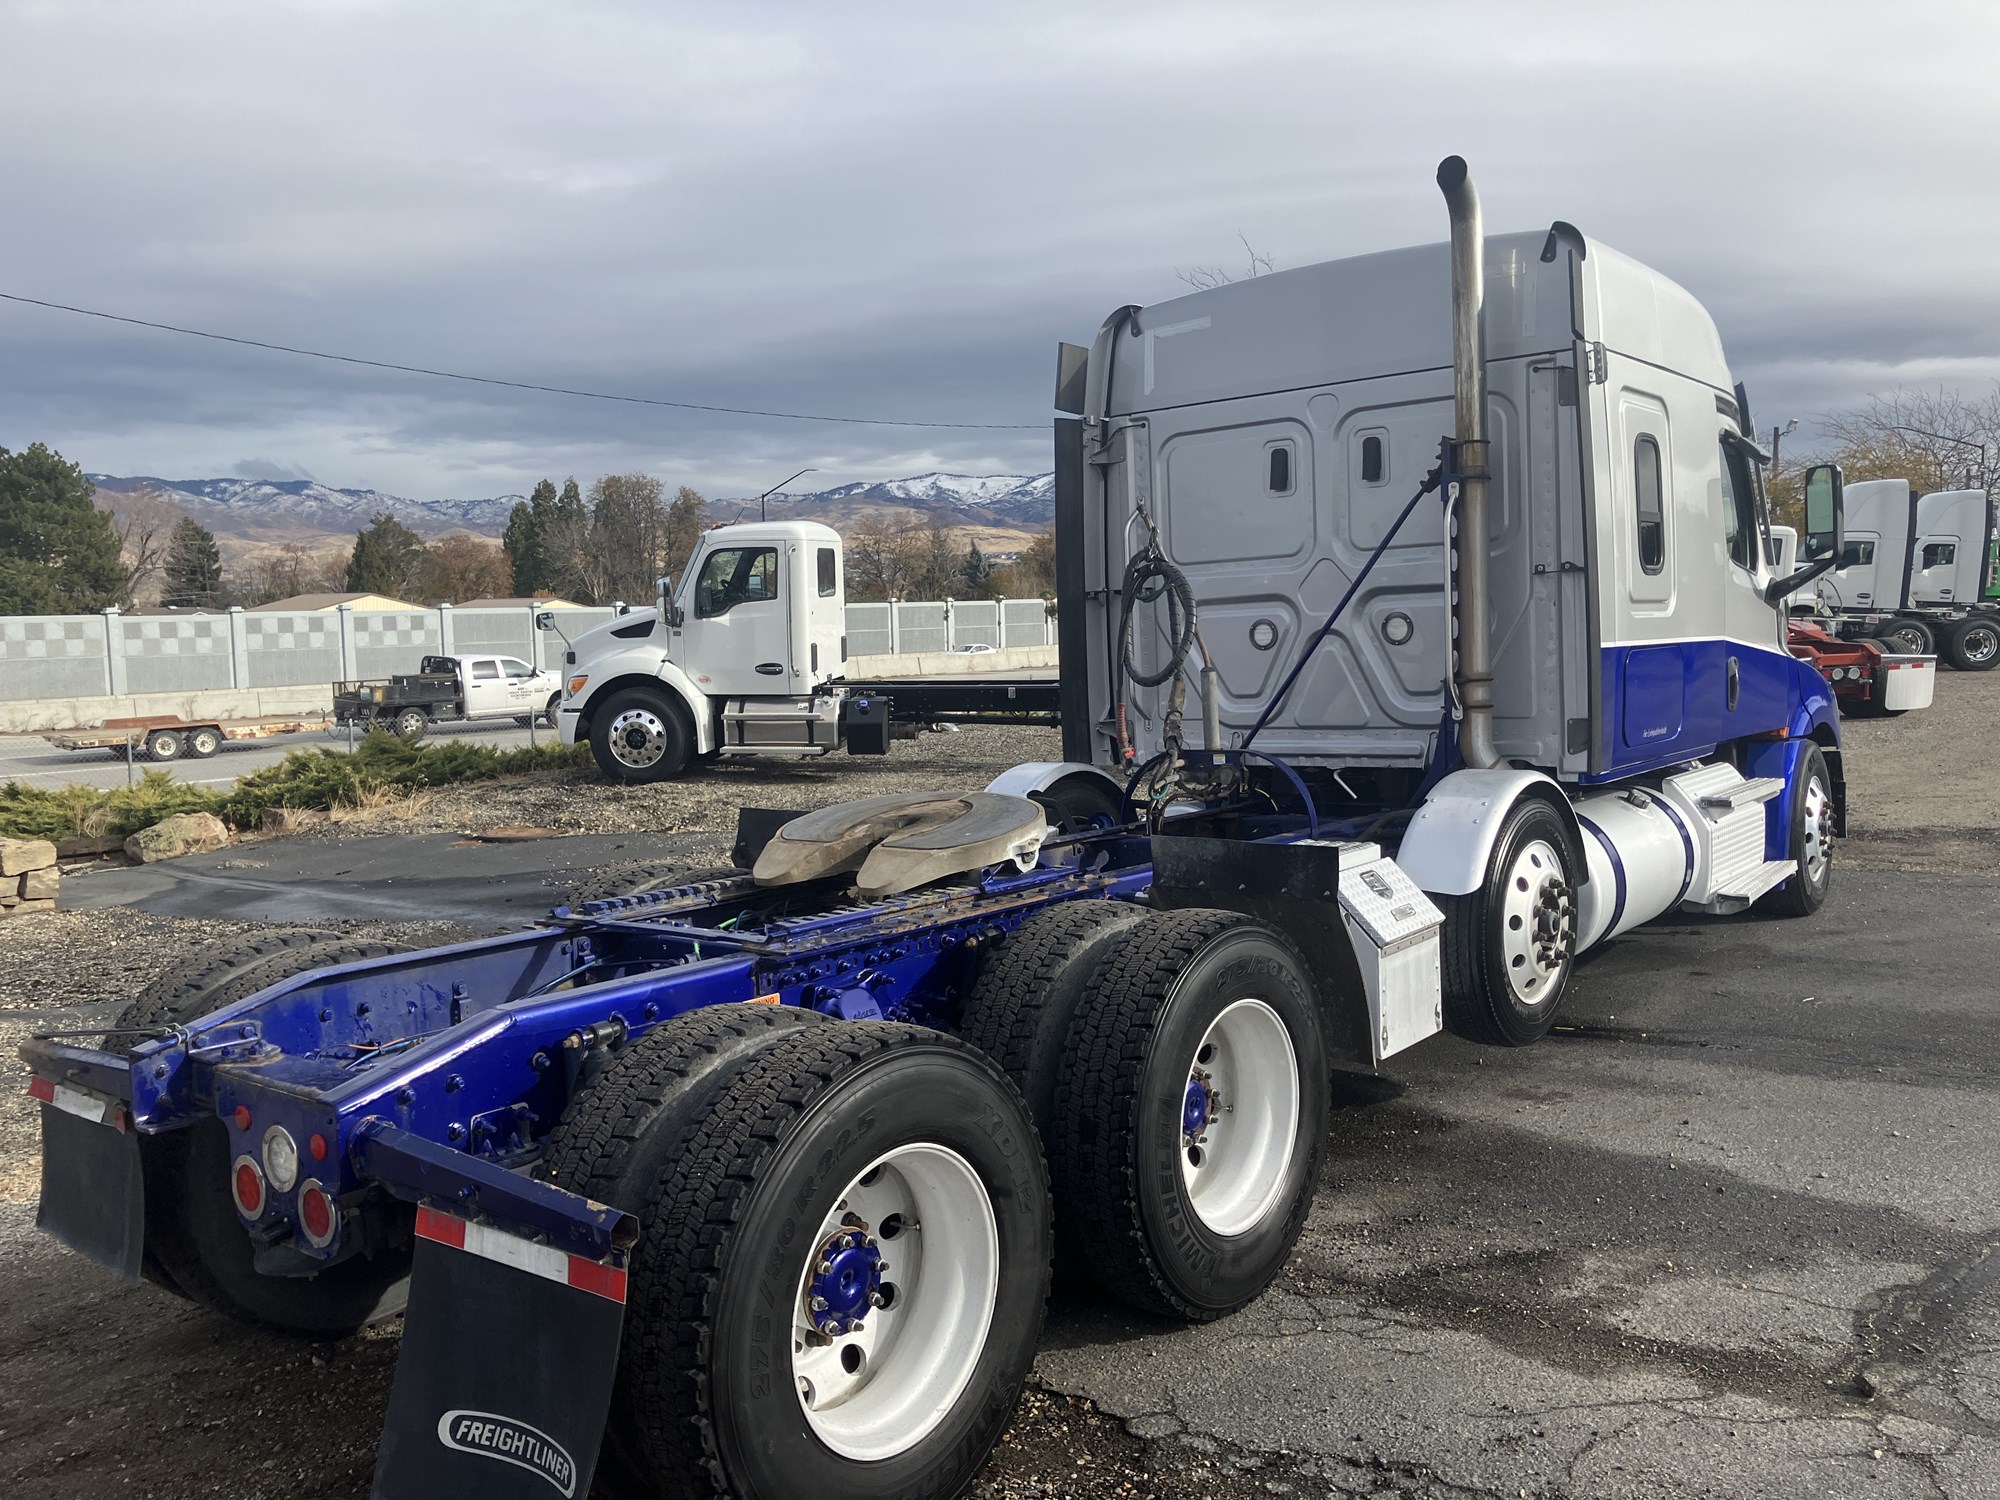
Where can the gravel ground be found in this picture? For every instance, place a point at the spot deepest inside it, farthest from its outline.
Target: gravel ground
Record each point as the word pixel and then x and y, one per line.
pixel 168 1409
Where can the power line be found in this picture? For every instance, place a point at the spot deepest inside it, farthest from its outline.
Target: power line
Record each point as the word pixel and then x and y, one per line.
pixel 516 385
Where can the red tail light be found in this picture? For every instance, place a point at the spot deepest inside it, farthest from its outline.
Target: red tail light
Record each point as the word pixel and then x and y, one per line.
pixel 318 1218
pixel 246 1180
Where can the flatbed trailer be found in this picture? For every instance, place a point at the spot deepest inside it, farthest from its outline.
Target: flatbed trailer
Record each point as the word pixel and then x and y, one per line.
pixel 975 698
pixel 165 737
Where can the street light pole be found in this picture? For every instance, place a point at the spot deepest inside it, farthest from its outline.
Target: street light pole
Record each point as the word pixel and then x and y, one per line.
pixel 1779 434
pixel 775 488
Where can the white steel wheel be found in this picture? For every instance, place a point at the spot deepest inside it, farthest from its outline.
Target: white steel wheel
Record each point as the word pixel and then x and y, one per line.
pixel 1816 843
pixel 895 1301
pixel 1239 1117
pixel 1537 923
pixel 638 738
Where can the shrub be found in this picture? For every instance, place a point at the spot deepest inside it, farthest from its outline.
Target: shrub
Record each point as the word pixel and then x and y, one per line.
pixel 324 779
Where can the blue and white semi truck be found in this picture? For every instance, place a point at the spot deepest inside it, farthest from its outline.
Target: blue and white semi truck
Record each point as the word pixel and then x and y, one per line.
pixel 749 1184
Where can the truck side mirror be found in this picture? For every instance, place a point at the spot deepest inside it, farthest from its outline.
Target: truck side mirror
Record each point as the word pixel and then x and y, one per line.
pixel 1824 511
pixel 544 620
pixel 670 612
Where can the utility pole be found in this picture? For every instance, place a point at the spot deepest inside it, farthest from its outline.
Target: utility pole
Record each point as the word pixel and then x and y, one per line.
pixel 1778 435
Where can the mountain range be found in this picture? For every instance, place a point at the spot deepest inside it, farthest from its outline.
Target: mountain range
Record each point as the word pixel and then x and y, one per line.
pixel 253 514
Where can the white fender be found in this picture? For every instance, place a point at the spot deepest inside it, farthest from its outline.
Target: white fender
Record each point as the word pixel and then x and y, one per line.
pixel 646 661
pixel 1451 837
pixel 1040 775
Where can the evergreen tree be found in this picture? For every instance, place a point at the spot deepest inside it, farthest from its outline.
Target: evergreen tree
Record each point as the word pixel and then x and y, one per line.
pixel 192 573
pixel 388 558
pixel 58 553
pixel 976 573
pixel 527 524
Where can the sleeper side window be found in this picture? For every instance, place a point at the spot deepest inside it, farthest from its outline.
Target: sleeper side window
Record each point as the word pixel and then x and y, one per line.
pixel 829 578
pixel 1646 497
pixel 1857 554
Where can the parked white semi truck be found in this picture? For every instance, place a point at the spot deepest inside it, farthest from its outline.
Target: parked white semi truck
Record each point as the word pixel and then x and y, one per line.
pixel 1915 573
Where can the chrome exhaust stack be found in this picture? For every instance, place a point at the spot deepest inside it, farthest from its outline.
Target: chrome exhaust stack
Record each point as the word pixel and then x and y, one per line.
pixel 1468 362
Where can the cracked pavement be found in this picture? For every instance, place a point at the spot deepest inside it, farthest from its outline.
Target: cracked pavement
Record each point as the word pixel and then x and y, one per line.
pixel 1732 1231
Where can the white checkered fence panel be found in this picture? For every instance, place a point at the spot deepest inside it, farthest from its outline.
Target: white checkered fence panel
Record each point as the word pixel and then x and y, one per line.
pixel 52 656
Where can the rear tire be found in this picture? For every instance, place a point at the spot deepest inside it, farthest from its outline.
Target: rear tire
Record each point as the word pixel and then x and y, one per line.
pixel 163 745
pixel 1811 842
pixel 203 742
pixel 1028 990
pixel 839 1147
pixel 1508 948
pixel 195 1241
pixel 1908 636
pixel 1190 1116
pixel 410 724
pixel 1973 644
pixel 638 737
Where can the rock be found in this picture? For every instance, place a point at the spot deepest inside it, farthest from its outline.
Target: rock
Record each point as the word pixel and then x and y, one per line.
pixel 83 848
pixel 40 885
pixel 22 908
pixel 18 856
pixel 183 833
pixel 291 819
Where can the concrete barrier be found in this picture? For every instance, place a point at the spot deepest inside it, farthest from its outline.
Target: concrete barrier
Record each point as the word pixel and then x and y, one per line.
pixel 51 714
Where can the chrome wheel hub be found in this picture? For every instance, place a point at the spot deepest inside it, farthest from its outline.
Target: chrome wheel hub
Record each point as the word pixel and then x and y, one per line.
pixel 638 738
pixel 1537 923
pixel 1816 848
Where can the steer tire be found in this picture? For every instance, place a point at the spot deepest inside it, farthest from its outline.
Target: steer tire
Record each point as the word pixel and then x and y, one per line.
pixel 1480 1002
pixel 1028 989
pixel 195 1242
pixel 648 713
pixel 1129 1191
pixel 728 1237
pixel 1810 841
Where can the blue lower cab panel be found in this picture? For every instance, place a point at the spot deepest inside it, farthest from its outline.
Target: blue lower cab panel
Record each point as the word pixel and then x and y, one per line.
pixel 1671 702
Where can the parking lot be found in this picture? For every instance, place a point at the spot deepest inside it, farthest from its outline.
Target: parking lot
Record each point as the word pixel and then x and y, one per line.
pixel 1729 1232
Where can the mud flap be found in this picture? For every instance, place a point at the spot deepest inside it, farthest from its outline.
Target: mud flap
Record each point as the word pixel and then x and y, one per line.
pixel 93 1189
pixel 504 1380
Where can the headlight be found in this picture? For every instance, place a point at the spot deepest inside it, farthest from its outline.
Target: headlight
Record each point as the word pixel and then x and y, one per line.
pixel 281 1158
pixel 576 684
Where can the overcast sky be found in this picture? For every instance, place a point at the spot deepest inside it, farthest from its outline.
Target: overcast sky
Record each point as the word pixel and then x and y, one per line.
pixel 896 211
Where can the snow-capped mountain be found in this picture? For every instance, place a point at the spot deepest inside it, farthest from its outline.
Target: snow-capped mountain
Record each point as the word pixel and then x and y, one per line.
pixel 265 511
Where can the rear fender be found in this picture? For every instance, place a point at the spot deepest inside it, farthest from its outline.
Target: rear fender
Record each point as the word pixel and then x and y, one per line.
pixel 1039 775
pixel 1450 839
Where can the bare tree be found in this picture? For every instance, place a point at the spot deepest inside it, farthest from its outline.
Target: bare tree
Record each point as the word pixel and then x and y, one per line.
pixel 1201 278
pixel 142 520
pixel 1938 438
pixel 628 533
pixel 461 567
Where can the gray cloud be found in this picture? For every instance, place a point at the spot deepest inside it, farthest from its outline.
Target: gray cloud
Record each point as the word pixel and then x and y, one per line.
pixel 897 210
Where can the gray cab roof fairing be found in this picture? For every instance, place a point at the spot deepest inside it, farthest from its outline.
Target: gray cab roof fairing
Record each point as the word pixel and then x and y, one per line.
pixel 1389 313
pixel 1960 513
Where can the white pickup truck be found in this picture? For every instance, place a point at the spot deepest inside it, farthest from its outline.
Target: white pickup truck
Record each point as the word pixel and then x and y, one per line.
pixel 444 689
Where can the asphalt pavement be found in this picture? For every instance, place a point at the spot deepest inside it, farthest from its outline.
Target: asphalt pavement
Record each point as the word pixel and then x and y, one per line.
pixel 33 761
pixel 1730 1232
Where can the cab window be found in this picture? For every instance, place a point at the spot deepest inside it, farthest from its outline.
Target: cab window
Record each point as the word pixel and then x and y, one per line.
pixel 515 669
pixel 735 575
pixel 1940 554
pixel 829 577
pixel 486 671
pixel 1857 554
pixel 1739 506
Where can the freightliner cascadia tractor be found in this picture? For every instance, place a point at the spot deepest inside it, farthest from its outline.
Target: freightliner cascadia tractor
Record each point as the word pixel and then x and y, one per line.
pixel 1416 638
